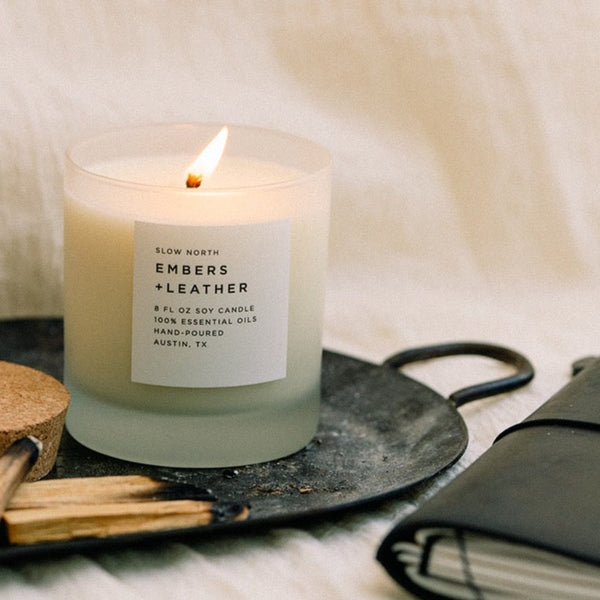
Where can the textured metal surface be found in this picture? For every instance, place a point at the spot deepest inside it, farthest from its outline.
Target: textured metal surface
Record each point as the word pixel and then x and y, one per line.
pixel 380 434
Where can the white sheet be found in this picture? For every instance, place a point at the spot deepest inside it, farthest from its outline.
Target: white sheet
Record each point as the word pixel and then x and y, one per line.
pixel 465 138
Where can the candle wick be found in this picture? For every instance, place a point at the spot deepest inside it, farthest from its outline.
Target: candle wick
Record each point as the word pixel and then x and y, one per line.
pixel 193 181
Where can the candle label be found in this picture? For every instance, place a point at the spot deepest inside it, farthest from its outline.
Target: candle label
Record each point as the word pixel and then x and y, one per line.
pixel 210 304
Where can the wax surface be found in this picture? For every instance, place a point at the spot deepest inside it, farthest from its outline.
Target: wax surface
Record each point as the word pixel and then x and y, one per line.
pixel 171 171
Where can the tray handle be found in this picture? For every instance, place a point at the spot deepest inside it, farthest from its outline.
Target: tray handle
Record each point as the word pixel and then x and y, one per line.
pixel 524 370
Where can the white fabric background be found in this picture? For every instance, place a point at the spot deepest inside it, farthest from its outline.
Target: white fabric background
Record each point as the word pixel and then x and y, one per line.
pixel 465 137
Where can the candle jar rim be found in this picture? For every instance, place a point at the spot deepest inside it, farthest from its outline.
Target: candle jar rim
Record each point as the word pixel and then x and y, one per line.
pixel 310 158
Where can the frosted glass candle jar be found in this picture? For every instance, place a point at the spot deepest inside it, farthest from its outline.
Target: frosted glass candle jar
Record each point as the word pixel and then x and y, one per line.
pixel 193 317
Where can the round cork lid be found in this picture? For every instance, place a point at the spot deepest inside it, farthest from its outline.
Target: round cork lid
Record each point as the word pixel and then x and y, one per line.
pixel 32 403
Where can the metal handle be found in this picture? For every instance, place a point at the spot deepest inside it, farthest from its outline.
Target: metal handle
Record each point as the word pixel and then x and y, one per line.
pixel 523 375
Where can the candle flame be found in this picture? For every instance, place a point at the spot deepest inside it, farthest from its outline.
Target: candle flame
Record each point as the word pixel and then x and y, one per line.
pixel 208 160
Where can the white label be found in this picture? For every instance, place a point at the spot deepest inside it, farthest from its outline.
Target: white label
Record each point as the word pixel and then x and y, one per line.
pixel 210 304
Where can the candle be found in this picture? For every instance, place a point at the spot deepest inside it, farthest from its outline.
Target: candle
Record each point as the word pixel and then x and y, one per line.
pixel 193 316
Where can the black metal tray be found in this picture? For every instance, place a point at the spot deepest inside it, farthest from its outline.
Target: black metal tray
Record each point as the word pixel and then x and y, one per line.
pixel 381 433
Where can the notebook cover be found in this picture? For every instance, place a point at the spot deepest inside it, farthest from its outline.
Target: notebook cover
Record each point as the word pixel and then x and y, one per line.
pixel 537 485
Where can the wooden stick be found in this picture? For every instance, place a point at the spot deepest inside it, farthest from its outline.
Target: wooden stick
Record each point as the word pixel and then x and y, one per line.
pixel 102 490
pixel 36 525
pixel 15 463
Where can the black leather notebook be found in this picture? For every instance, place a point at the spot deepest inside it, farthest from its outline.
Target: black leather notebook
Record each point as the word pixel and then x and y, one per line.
pixel 523 521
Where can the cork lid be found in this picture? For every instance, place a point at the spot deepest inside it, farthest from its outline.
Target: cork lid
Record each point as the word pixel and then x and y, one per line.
pixel 32 403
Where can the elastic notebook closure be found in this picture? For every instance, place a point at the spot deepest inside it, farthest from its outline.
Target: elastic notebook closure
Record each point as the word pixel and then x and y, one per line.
pixel 577 405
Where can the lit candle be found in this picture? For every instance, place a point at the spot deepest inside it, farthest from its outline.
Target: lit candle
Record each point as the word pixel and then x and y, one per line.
pixel 193 315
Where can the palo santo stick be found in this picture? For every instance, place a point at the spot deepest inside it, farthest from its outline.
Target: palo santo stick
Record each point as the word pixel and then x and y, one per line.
pixel 102 490
pixel 36 525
